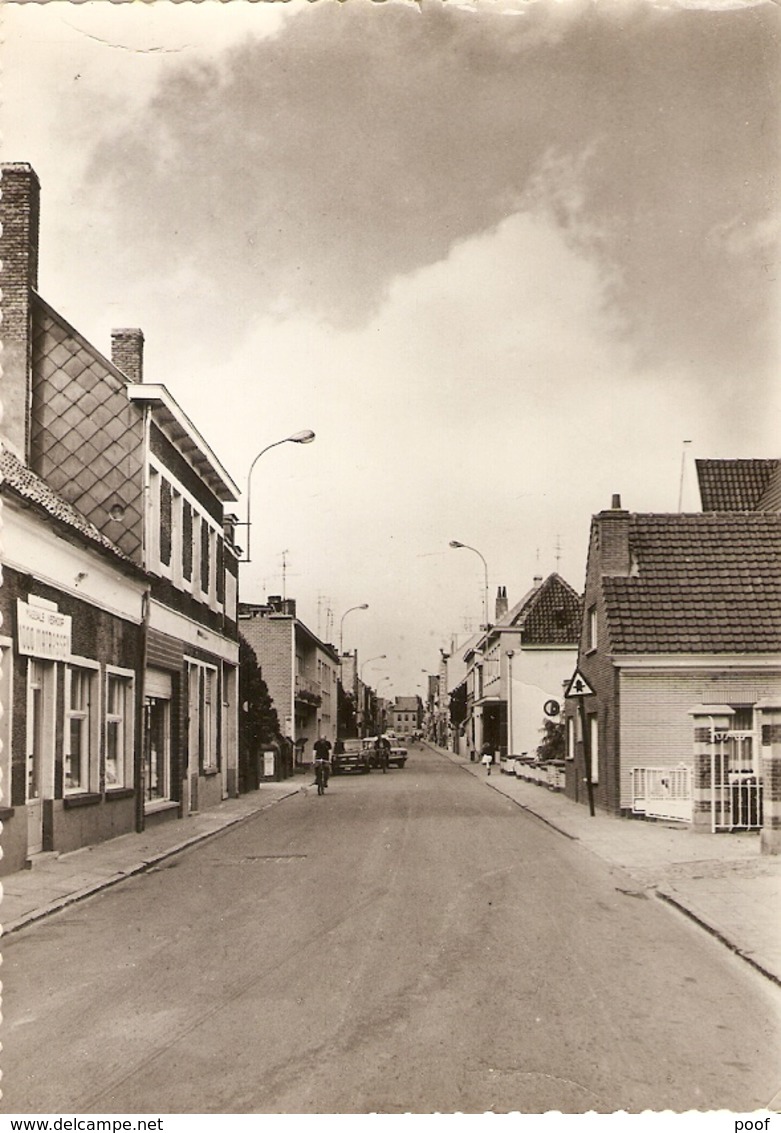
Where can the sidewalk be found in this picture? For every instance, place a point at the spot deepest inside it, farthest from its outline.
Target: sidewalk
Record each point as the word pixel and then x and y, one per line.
pixel 56 882
pixel 721 881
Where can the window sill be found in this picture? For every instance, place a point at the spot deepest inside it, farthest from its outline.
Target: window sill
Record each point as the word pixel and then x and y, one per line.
pixel 119 793
pixel 160 804
pixel 69 802
pixel 209 772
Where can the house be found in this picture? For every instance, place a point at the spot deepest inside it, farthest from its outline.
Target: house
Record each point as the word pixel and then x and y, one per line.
pixel 680 648
pixel 300 671
pixel 406 715
pixel 519 664
pixel 739 485
pixel 125 457
pixel 72 606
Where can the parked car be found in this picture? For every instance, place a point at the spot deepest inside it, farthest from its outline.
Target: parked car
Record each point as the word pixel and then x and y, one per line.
pixel 397 756
pixel 353 758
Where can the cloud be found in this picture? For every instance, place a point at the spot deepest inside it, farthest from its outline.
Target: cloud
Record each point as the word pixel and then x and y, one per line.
pixel 310 170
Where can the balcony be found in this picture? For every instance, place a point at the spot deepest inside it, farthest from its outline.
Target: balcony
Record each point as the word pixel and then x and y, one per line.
pixel 307 691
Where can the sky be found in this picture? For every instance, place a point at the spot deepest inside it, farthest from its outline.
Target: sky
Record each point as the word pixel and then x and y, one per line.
pixel 505 258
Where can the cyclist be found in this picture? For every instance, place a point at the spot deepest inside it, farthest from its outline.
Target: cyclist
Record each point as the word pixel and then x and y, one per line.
pixel 383 751
pixel 322 763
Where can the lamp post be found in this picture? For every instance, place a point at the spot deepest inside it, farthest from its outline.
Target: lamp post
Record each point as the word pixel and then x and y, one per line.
pixel 455 543
pixel 379 657
pixel 510 653
pixel 305 437
pixel 363 606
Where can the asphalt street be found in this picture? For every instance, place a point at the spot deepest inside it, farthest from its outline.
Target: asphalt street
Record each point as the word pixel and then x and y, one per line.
pixel 409 942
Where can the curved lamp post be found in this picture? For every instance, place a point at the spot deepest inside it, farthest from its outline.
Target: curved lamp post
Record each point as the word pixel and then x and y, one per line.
pixel 363 606
pixel 455 543
pixel 379 657
pixel 305 437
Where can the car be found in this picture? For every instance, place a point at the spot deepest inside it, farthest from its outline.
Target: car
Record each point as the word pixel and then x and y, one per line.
pixel 354 758
pixel 397 756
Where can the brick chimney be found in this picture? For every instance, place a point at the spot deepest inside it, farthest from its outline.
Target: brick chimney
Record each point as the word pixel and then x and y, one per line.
pixel 501 603
pixel 127 352
pixel 20 213
pixel 613 539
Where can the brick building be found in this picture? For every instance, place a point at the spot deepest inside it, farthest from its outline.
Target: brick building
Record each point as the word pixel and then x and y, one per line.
pixel 301 672
pixel 125 457
pixel 682 615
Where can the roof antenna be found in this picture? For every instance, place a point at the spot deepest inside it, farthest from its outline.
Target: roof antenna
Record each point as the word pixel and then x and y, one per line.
pixel 558 552
pixel 683 469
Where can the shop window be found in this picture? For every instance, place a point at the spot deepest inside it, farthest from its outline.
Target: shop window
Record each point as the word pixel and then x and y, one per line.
pixel 119 731
pixel 79 732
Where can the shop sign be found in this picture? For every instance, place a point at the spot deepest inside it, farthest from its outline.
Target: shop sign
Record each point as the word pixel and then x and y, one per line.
pixel 43 633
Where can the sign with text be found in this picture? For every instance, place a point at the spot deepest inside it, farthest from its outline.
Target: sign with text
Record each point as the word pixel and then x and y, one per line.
pixel 43 633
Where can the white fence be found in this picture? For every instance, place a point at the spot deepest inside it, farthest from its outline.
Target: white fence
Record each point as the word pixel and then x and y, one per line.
pixel 546 774
pixel 663 792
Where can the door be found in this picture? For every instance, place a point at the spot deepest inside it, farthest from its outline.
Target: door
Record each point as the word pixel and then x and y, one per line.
pixel 39 777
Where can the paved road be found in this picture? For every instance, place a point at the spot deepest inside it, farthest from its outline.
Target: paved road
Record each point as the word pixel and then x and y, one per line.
pixel 409 942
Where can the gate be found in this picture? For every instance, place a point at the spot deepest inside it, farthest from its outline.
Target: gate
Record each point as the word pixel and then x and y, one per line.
pixel 736 782
pixel 663 792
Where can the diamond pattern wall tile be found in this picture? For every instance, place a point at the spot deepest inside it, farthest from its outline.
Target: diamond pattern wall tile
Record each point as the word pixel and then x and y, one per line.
pixel 86 437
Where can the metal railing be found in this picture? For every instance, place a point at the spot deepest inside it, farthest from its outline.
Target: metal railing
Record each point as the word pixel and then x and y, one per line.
pixel 663 792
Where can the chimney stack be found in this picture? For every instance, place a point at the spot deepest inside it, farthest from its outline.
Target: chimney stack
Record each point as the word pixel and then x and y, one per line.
pixel 20 213
pixel 537 581
pixel 501 603
pixel 613 539
pixel 127 352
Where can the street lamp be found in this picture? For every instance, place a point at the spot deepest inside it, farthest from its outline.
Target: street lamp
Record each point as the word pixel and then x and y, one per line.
pixel 455 543
pixel 305 437
pixel 379 657
pixel 363 606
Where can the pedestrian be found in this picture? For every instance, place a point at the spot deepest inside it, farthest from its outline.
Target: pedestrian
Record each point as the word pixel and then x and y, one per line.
pixel 487 758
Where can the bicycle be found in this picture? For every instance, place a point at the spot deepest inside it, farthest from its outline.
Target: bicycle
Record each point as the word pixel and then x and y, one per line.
pixel 321 775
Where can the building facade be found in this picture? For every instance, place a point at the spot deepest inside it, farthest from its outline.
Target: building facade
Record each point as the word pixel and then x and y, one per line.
pixel 681 624
pixel 124 456
pixel 301 672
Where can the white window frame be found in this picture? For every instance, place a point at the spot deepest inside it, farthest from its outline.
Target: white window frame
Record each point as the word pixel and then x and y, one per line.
pixel 6 717
pixel 203 725
pixel 88 670
pixel 591 629
pixel 153 522
pixel 126 722
pixel 593 735
pixel 571 738
pixel 164 796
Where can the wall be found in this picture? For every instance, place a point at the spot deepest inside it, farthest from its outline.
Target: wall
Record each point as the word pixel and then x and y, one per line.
pixel 656 729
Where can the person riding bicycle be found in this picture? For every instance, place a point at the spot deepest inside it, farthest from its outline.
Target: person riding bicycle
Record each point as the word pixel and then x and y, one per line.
pixel 382 746
pixel 322 762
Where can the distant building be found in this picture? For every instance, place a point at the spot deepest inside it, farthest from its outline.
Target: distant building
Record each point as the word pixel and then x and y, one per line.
pixel 300 671
pixel 406 715
pixel 519 664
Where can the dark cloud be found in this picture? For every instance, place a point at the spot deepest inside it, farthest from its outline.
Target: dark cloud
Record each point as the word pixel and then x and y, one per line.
pixel 309 170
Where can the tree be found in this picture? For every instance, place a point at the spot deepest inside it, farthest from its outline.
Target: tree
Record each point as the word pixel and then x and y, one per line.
pixel 346 712
pixel 258 720
pixel 552 744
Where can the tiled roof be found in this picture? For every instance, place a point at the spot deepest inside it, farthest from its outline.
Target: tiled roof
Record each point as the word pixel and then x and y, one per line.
pixel 26 485
pixel 707 583
pixel 549 614
pixel 734 485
